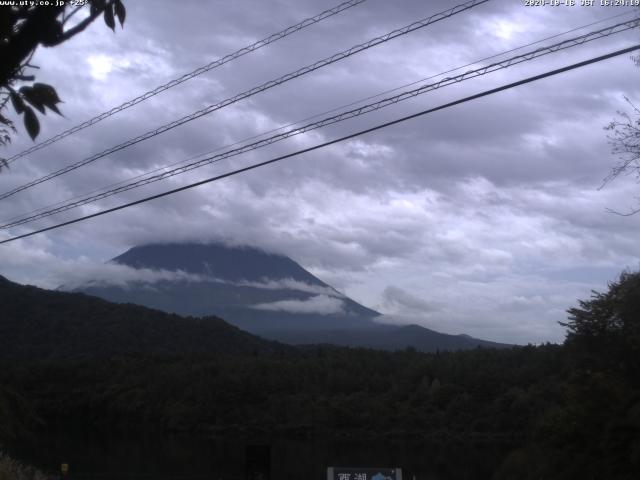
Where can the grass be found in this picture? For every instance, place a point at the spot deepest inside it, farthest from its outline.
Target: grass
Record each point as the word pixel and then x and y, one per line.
pixel 11 469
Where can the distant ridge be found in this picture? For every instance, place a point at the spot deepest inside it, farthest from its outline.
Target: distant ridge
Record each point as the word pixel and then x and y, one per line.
pixel 391 337
pixel 38 324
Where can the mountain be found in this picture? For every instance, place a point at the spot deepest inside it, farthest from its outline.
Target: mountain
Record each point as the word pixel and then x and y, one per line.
pixel 257 291
pixel 37 324
pixel 264 293
pixel 390 337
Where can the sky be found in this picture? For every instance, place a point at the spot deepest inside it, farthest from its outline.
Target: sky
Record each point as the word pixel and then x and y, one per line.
pixel 486 218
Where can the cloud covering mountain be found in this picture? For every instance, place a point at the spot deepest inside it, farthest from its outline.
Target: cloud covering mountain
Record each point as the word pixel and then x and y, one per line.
pixel 264 293
pixel 495 201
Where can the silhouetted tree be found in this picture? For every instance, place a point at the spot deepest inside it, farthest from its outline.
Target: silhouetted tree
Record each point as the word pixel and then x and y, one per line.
pixel 608 325
pixel 625 143
pixel 22 29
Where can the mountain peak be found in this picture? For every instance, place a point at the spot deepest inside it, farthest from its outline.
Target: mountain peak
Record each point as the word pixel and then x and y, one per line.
pixel 264 293
pixel 253 289
pixel 232 263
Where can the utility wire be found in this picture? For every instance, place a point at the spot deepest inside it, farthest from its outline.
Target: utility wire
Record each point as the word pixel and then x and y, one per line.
pixel 337 140
pixel 265 86
pixel 334 119
pixel 317 115
pixel 188 76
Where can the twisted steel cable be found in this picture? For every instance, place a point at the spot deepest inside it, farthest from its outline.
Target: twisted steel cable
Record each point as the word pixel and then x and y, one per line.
pixel 331 142
pixel 573 42
pixel 253 91
pixel 188 76
pixel 317 115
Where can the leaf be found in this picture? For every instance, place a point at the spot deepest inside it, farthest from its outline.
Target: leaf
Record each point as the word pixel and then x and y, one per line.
pixel 48 93
pixel 121 12
pixel 31 122
pixel 17 102
pixel 55 109
pixel 108 17
pixel 96 7
pixel 31 95
pixel 6 24
pixel 7 122
pixel 51 33
pixel 41 95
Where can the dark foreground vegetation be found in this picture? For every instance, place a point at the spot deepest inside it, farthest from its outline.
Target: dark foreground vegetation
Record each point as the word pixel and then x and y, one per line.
pixel 569 411
pixel 11 469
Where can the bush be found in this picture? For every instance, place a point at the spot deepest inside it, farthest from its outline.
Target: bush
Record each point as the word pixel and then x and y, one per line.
pixel 11 469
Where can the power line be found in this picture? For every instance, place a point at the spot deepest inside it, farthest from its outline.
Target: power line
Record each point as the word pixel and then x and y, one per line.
pixel 265 86
pixel 317 115
pixel 297 122
pixel 416 82
pixel 337 140
pixel 337 118
pixel 119 188
pixel 188 76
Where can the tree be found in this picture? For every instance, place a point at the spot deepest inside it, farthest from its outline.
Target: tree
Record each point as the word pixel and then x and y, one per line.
pixel 625 142
pixel 607 327
pixel 22 29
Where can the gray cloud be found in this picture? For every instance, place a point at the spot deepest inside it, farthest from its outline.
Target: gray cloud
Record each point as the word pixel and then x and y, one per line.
pixel 494 201
pixel 398 299
pixel 291 284
pixel 70 274
pixel 321 304
pixel 119 275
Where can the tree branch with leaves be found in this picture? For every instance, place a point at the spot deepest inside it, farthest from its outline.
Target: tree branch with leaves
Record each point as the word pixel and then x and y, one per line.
pixel 625 143
pixel 23 28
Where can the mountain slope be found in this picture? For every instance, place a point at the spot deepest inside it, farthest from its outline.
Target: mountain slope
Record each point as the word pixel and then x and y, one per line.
pixel 43 324
pixel 263 293
pixel 257 291
pixel 390 337
pixel 220 261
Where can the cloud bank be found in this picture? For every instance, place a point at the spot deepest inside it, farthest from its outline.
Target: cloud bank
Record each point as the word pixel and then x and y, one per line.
pixel 320 304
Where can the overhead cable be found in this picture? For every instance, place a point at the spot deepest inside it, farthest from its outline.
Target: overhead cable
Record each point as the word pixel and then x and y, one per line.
pixel 253 91
pixel 120 188
pixel 331 142
pixel 188 76
pixel 311 117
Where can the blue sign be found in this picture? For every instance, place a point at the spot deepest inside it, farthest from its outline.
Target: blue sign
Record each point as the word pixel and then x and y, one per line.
pixel 350 473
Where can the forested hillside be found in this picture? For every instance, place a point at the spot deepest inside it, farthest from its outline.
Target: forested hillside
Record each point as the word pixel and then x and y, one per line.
pixel 564 411
pixel 39 324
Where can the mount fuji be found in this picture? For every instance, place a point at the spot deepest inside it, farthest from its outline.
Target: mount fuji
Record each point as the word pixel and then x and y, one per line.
pixel 264 293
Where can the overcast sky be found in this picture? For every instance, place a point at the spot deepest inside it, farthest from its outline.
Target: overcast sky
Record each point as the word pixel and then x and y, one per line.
pixel 485 218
